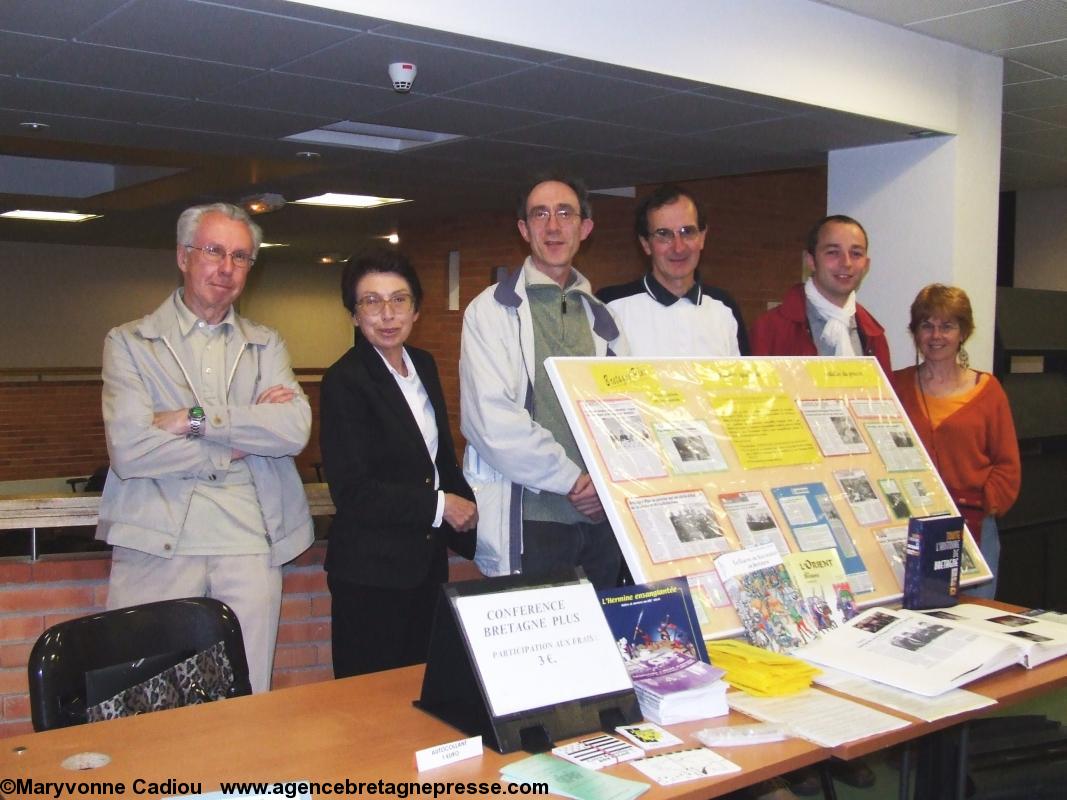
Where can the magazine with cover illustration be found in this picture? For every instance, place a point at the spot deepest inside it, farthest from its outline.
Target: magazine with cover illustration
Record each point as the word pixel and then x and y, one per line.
pixel 771 608
pixel 820 579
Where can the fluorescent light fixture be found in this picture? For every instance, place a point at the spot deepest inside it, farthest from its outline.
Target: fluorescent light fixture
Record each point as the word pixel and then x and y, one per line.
pixel 365 136
pixel 349 200
pixel 265 245
pixel 48 216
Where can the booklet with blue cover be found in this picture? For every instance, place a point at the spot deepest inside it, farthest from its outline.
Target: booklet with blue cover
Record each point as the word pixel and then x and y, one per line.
pixel 655 627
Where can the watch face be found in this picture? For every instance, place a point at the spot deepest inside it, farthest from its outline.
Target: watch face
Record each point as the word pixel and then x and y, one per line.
pixel 196 412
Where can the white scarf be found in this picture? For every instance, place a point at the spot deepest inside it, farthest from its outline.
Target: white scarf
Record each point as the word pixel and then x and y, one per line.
pixel 836 333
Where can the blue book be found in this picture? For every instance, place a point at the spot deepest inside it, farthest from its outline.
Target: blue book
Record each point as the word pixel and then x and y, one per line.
pixel 932 562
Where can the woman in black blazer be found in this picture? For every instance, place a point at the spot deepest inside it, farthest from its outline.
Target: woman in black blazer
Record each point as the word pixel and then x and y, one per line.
pixel 390 462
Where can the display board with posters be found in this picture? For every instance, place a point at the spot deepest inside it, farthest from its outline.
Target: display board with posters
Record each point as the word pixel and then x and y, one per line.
pixel 698 457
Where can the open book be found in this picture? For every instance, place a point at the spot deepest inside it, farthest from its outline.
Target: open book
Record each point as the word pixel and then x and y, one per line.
pixel 913 650
pixel 1038 640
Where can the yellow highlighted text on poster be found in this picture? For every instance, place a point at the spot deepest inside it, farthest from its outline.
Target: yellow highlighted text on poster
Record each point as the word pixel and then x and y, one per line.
pixel 727 374
pixel 839 373
pixel 767 431
pixel 627 377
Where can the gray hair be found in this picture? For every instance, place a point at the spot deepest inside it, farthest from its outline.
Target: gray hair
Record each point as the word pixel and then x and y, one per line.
pixel 189 222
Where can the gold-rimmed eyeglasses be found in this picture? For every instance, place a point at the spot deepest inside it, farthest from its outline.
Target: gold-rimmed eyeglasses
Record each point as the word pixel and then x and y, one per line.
pixel 373 305
pixel 216 255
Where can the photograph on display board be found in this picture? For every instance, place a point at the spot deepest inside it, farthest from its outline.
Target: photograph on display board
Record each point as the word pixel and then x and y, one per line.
pixel 897 446
pixel 752 519
pixel 893 542
pixel 690 447
pixel 832 427
pixel 678 525
pixel 696 459
pixel 623 439
pixel 895 498
pixel 861 497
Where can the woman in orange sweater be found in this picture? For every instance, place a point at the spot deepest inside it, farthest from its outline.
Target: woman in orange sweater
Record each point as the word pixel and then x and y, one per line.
pixel 962 416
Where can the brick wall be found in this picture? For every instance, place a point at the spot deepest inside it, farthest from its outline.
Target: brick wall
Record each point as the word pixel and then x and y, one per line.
pixel 35 596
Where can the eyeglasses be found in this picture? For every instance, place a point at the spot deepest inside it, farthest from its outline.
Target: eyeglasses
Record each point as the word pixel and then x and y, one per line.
pixel 946 328
pixel 564 215
pixel 687 233
pixel 373 305
pixel 216 254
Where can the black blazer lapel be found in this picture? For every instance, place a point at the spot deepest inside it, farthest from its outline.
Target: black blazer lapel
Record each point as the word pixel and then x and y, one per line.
pixel 391 397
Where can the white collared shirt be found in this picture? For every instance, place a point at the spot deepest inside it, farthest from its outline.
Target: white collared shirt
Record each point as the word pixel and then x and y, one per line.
pixel 422 409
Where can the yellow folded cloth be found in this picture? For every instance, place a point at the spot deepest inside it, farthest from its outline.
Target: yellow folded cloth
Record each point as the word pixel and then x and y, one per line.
pixel 758 671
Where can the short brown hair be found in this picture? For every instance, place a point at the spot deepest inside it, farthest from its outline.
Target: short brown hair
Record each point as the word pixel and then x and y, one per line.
pixel 947 302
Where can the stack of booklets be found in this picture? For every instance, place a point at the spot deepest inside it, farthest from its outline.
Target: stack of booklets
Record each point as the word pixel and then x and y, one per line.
pixel 655 627
pixel 761 672
pixel 931 652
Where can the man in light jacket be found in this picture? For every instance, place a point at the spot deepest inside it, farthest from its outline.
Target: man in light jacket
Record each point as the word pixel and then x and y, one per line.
pixel 537 507
pixel 203 417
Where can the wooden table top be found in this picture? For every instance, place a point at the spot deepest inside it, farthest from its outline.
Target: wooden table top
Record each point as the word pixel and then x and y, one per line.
pixel 359 729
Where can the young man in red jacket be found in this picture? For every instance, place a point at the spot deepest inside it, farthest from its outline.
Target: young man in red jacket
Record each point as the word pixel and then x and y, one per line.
pixel 821 317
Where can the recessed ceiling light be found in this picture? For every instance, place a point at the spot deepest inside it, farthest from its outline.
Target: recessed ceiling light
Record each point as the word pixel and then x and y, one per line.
pixel 48 216
pixel 310 155
pixel 349 200
pixel 265 245
pixel 331 258
pixel 365 136
pixel 34 126
pixel 262 203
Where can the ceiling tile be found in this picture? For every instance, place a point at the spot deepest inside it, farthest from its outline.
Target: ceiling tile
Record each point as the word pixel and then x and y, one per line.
pixel 18 51
pixel 777 104
pixel 1021 123
pixel 95 65
pixel 60 18
pixel 1020 169
pixel 298 11
pixel 49 97
pixel 447 115
pixel 460 42
pixel 1018 72
pixel 626 73
pixel 1050 143
pixel 557 91
pixel 1036 94
pixel 305 95
pixel 819 131
pixel 684 113
pixel 1049 57
pixel 1052 115
pixel 901 12
pixel 366 60
pixel 1000 27
pixel 223 118
pixel 578 134
pixel 213 33
pixel 69 128
pixel 474 151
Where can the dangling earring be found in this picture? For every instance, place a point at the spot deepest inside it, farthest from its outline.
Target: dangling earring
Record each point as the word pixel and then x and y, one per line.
pixel 962 358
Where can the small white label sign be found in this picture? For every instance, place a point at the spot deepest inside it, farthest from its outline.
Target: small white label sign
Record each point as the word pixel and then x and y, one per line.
pixel 441 754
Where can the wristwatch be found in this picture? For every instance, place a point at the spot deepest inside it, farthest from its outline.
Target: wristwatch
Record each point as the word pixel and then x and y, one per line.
pixel 196 421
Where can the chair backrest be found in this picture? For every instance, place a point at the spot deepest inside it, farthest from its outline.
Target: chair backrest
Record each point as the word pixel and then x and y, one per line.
pixel 162 634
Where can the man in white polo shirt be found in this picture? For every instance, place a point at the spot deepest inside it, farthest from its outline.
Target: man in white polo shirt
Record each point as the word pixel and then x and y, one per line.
pixel 669 312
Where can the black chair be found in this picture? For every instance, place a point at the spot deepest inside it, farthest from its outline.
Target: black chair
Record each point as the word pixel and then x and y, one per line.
pixel 115 650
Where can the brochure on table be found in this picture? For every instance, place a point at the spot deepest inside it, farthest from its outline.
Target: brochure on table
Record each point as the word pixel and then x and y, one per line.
pixel 696 458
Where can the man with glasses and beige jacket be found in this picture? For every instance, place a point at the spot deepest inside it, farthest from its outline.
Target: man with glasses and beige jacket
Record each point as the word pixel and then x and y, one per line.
pixel 669 312
pixel 203 417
